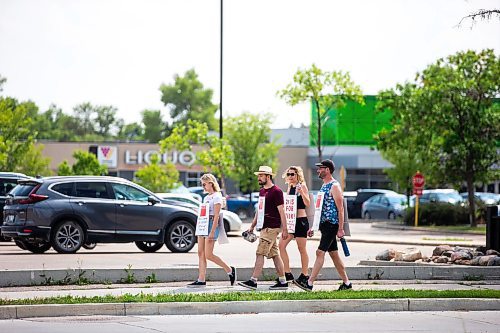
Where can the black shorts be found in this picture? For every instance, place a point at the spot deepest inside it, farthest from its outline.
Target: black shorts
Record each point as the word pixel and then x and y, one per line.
pixel 328 242
pixel 301 227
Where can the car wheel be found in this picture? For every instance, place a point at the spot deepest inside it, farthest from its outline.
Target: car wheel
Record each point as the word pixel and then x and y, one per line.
pixel 242 213
pixel 68 237
pixel 149 247
pixel 392 216
pixel 89 246
pixel 37 247
pixel 367 216
pixel 226 226
pixel 180 236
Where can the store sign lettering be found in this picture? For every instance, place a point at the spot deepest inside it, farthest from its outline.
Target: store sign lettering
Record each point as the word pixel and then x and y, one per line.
pixel 186 157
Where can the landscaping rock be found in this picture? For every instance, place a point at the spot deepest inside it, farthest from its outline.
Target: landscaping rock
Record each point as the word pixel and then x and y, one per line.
pixel 462 262
pixel 412 254
pixel 447 253
pixel 441 260
pixel 386 255
pixel 483 261
pixel 439 250
pixel 460 255
pixel 475 261
pixel 494 261
pixel 492 252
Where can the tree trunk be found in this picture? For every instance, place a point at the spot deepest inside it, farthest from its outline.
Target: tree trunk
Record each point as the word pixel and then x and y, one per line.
pixel 472 206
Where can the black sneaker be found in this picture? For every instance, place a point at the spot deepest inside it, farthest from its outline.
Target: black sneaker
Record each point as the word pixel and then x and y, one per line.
pixel 279 286
pixel 249 284
pixel 344 286
pixel 232 275
pixel 289 277
pixel 197 284
pixel 302 284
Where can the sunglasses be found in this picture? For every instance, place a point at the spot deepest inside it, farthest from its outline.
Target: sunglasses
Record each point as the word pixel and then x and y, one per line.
pixel 290 174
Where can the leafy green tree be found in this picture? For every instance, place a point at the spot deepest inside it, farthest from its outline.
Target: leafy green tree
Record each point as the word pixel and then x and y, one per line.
pixel 326 90
pixel 154 126
pixel 84 113
pixel 188 99
pixel 156 177
pixel 64 169
pixel 249 135
pixel 16 132
pixel 400 144
pixel 105 118
pixel 85 164
pixel 34 163
pixel 218 156
pixel 452 112
pixel 130 132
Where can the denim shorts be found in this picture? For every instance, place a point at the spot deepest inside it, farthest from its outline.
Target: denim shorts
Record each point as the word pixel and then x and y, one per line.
pixel 210 224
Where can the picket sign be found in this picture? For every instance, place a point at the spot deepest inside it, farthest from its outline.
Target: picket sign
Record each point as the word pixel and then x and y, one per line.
pixel 290 211
pixel 260 213
pixel 318 207
pixel 202 222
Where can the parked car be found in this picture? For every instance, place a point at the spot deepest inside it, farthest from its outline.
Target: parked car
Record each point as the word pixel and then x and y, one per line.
pixel 198 190
pixel 8 180
pixel 384 206
pixel 184 190
pixel 439 195
pixel 67 212
pixel 486 197
pixel 231 220
pixel 242 205
pixel 361 197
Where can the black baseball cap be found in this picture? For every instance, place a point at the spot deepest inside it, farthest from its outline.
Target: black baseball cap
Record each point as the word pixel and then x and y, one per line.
pixel 327 164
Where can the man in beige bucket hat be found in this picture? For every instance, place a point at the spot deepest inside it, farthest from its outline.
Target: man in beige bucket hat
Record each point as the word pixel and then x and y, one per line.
pixel 274 223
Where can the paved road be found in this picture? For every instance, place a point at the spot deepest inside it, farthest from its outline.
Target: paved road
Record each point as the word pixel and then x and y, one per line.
pixel 387 322
pixel 365 244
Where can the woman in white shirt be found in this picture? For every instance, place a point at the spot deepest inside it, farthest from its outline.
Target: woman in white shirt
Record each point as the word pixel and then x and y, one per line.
pixel 206 243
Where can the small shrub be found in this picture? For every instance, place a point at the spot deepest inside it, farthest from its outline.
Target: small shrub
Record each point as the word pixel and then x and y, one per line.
pixel 437 213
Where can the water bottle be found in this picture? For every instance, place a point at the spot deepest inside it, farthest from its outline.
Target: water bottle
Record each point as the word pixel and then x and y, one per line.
pixel 344 247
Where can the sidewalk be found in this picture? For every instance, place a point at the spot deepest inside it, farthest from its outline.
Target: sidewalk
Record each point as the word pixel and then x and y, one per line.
pixel 239 307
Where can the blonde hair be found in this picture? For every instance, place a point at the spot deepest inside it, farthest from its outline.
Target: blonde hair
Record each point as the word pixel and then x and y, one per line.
pixel 300 174
pixel 209 178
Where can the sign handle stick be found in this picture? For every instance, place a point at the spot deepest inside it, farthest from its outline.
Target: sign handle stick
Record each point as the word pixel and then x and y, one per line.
pixel 416 210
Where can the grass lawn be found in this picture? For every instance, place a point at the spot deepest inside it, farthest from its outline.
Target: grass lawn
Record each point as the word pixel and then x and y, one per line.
pixel 260 296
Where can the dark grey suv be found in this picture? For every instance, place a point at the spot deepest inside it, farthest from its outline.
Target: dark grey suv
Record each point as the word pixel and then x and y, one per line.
pixel 8 180
pixel 69 212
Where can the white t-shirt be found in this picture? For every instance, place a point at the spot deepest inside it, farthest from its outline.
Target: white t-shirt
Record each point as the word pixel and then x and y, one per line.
pixel 213 199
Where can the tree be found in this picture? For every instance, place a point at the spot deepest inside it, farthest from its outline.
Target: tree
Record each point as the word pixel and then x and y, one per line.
pixel 455 119
pixel 85 164
pixel 84 113
pixel 217 157
pixel 250 138
pixel 16 132
pixel 400 144
pixel 482 14
pixel 326 90
pixel 188 99
pixel 33 162
pixel 130 132
pixel 105 118
pixel 156 177
pixel 154 126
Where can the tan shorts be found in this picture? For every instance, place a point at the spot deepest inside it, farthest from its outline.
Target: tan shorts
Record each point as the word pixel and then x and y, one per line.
pixel 268 246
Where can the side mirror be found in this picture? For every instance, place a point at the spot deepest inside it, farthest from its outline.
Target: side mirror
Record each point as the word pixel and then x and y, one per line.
pixel 152 200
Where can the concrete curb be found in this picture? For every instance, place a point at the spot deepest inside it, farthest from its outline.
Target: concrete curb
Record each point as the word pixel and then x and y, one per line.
pixel 107 276
pixel 241 307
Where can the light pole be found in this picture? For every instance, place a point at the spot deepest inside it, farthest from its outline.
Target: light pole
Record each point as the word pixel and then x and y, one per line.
pixel 221 40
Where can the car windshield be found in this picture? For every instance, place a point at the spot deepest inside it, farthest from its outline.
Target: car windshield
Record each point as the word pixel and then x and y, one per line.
pixel 454 196
pixel 401 200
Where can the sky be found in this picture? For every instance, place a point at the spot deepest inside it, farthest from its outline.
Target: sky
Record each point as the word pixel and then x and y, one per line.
pixel 119 52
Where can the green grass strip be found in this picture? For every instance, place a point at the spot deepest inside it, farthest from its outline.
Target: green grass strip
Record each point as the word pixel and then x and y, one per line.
pixel 259 296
